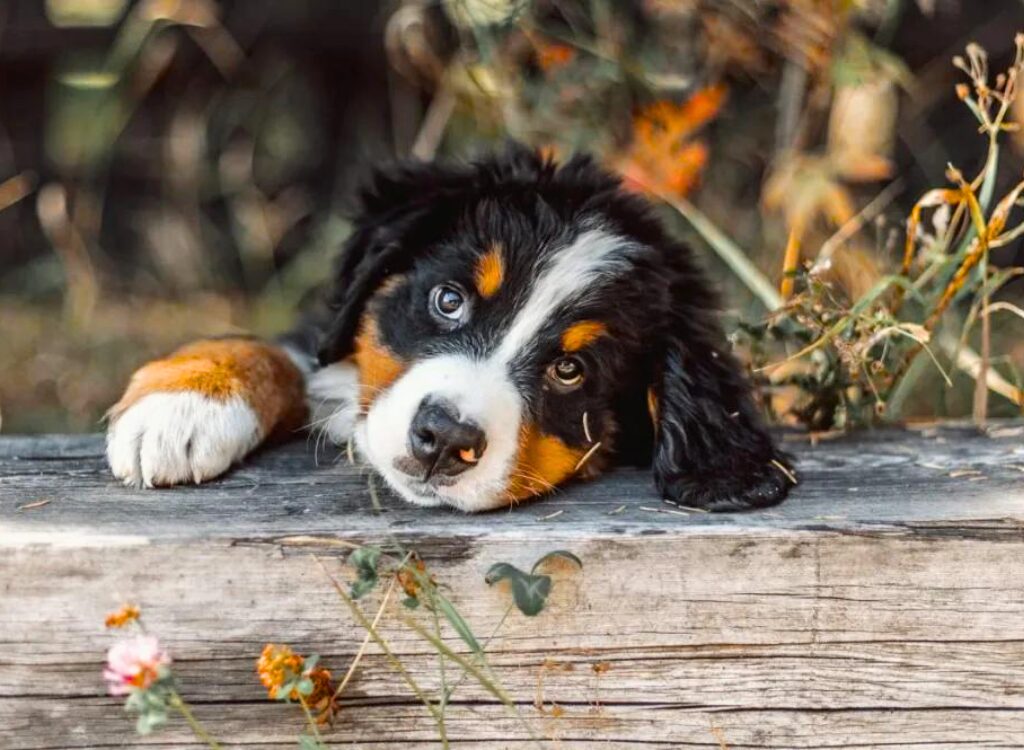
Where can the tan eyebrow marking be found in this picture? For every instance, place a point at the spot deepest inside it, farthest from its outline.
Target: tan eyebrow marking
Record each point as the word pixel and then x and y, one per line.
pixel 582 334
pixel 490 272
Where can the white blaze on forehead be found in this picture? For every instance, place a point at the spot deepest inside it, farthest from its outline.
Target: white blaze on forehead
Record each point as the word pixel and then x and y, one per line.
pixel 568 276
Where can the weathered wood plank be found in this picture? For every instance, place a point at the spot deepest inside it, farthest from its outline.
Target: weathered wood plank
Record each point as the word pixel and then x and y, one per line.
pixel 890 615
pixel 891 478
pixel 634 727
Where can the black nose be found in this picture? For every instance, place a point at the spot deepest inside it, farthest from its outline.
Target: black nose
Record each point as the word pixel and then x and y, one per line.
pixel 441 442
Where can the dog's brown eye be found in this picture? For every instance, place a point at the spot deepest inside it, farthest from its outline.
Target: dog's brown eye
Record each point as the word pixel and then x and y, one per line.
pixel 567 371
pixel 449 302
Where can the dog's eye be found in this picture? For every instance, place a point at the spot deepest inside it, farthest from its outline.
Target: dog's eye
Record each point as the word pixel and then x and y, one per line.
pixel 448 302
pixel 567 371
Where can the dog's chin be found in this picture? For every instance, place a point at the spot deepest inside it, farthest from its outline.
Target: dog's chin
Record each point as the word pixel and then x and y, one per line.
pixel 412 491
pixel 465 496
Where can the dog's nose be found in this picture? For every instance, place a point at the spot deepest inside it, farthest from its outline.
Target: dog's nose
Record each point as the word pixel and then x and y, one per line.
pixel 441 442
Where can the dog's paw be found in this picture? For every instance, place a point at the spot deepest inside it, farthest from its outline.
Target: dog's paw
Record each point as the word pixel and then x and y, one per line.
pixel 761 486
pixel 178 437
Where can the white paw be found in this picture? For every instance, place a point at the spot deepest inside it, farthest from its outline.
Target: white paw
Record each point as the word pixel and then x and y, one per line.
pixel 173 438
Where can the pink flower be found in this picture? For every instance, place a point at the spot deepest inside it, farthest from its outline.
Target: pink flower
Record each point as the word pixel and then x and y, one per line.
pixel 134 663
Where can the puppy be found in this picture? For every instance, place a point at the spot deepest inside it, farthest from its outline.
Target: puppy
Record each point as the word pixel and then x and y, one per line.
pixel 491 331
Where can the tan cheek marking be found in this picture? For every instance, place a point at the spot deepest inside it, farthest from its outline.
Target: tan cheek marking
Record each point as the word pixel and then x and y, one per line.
pixel 490 273
pixel 652 406
pixel 582 334
pixel 543 462
pixel 378 367
pixel 260 373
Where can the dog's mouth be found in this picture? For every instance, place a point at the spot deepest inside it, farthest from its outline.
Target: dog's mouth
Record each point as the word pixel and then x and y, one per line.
pixel 415 474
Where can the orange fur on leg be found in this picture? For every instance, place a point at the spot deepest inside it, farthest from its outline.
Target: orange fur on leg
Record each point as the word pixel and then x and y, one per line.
pixel 219 369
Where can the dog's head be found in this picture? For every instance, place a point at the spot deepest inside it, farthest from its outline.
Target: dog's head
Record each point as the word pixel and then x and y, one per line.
pixel 511 322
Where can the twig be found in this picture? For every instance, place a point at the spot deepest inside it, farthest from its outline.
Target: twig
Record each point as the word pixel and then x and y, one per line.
pixel 785 470
pixel 312 722
pixel 486 682
pixel 725 248
pixel 186 712
pixel 428 140
pixel 854 225
pixel 968 361
pixel 393 660
pixel 366 639
pixel 443 701
pixel 586 457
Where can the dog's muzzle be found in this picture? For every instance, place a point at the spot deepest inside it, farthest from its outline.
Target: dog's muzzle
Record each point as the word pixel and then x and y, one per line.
pixel 440 443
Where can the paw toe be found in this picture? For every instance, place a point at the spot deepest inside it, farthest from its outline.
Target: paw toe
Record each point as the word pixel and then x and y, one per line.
pixel 174 438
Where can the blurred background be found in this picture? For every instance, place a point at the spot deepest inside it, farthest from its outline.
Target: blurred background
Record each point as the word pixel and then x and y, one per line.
pixel 171 169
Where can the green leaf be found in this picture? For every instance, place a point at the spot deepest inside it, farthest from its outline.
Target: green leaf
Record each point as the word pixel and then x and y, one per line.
pixel 305 686
pixel 564 554
pixel 499 572
pixel 136 701
pixel 308 743
pixel 529 592
pixel 284 692
pixel 310 663
pixel 362 586
pixel 364 560
pixel 461 627
pixel 150 720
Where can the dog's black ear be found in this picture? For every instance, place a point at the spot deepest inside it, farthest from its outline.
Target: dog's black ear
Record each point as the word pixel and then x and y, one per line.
pixel 402 210
pixel 712 449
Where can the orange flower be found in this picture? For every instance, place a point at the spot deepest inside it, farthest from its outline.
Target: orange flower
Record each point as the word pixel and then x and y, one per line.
pixel 277 665
pixel 322 699
pixel 553 56
pixel 663 156
pixel 126 614
pixel 409 580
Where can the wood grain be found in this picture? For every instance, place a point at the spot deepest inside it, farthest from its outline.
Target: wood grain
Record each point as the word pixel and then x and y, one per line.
pixel 883 605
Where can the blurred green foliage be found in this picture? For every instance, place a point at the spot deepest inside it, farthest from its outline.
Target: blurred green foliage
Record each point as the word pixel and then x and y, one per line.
pixel 178 168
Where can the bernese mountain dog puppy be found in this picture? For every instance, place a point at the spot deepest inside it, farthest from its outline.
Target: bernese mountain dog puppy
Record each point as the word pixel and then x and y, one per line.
pixel 491 331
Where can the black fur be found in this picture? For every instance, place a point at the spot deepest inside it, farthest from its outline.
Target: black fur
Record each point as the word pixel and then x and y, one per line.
pixel 710 447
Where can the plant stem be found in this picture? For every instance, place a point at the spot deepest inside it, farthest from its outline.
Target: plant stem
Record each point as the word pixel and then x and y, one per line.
pixel 443 702
pixel 487 683
pixel 197 728
pixel 393 660
pixel 312 722
pixel 490 684
pixel 727 250
pixel 366 640
pixel 483 648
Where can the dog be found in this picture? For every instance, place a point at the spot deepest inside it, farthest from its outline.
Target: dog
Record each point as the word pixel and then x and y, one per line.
pixel 491 331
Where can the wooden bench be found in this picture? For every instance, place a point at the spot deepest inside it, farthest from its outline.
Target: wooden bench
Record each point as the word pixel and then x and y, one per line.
pixel 882 605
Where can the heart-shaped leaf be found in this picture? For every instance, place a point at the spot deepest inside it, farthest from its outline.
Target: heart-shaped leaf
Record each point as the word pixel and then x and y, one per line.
pixel 529 592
